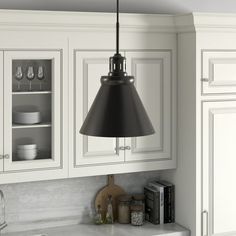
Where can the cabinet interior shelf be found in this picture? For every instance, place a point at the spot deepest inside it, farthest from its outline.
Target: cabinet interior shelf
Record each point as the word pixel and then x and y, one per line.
pixel 38 159
pixel 41 125
pixel 31 92
pixel 43 155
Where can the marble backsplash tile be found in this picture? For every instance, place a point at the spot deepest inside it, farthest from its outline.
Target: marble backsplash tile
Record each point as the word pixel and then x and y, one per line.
pixel 45 200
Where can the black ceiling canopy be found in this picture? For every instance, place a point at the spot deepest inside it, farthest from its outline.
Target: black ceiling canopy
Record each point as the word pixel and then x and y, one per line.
pixel 117 110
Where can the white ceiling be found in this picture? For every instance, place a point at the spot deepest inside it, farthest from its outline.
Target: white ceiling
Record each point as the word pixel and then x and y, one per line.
pixel 139 6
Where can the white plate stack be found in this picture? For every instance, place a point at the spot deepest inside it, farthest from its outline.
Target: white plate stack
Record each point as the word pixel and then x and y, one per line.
pixel 27 151
pixel 26 117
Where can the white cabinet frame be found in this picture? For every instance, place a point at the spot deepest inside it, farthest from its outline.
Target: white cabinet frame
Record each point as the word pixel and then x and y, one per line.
pixel 56 139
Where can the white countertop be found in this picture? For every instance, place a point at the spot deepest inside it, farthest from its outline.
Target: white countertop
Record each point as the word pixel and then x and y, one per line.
pixel 108 230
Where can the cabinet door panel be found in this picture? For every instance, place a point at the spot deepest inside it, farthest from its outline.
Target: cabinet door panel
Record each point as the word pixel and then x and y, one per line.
pixel 219 70
pixel 1 112
pixel 152 71
pixel 219 194
pixel 44 96
pixel 89 67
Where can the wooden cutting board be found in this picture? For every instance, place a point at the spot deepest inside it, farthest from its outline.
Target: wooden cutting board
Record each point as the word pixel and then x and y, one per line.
pixel 102 196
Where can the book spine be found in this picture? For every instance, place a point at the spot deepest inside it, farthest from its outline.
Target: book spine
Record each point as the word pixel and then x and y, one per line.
pixel 161 190
pixel 157 208
pixel 161 206
pixel 167 205
pixel 172 203
pixel 152 201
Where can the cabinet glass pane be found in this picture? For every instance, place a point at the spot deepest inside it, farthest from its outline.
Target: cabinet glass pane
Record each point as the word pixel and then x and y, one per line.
pixel 31 75
pixel 39 136
pixel 31 110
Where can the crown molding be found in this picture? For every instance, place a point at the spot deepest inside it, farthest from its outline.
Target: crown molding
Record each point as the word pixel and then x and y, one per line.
pixel 200 22
pixel 81 21
pixel 69 21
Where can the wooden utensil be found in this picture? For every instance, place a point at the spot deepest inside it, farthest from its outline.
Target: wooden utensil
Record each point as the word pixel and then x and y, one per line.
pixel 102 196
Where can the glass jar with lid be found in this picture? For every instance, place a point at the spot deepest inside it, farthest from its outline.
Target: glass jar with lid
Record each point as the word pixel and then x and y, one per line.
pixel 137 215
pixel 137 209
pixel 124 202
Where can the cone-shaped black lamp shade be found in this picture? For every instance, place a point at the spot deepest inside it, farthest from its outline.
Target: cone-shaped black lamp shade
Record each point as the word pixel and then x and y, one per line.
pixel 117 111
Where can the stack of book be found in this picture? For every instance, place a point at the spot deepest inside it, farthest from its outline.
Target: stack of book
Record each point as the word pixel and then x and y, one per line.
pixel 160 202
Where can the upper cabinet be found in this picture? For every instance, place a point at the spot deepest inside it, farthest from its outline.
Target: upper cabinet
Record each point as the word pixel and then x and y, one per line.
pixel 218 72
pixel 153 81
pixel 32 110
pixel 50 71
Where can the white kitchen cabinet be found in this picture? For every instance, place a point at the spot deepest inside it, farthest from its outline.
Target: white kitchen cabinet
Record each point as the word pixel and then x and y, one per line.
pixel 153 81
pixel 24 48
pixel 89 67
pixel 152 71
pixel 205 174
pixel 43 96
pixel 78 55
pixel 218 71
pixel 155 84
pixel 218 173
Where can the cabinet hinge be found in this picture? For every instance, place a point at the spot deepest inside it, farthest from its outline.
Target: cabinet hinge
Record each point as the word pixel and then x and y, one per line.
pixel 7 156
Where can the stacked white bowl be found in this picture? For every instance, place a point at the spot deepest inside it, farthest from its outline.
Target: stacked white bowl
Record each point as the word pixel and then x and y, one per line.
pixel 27 151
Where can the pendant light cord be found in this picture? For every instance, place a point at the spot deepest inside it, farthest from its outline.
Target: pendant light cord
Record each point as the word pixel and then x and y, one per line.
pixel 117 27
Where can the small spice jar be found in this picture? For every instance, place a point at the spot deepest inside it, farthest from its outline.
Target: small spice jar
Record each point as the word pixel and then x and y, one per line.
pixel 124 209
pixel 137 215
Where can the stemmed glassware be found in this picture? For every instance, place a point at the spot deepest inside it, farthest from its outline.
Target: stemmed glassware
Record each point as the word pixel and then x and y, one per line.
pixel 30 76
pixel 18 76
pixel 40 75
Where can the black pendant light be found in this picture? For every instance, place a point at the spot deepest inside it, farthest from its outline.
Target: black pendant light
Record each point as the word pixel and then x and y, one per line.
pixel 117 110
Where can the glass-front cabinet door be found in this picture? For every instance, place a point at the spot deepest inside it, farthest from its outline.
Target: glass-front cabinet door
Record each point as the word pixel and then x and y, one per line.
pixel 32 110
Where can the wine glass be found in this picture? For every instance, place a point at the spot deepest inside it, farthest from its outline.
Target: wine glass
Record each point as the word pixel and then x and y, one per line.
pixel 40 76
pixel 18 76
pixel 30 76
